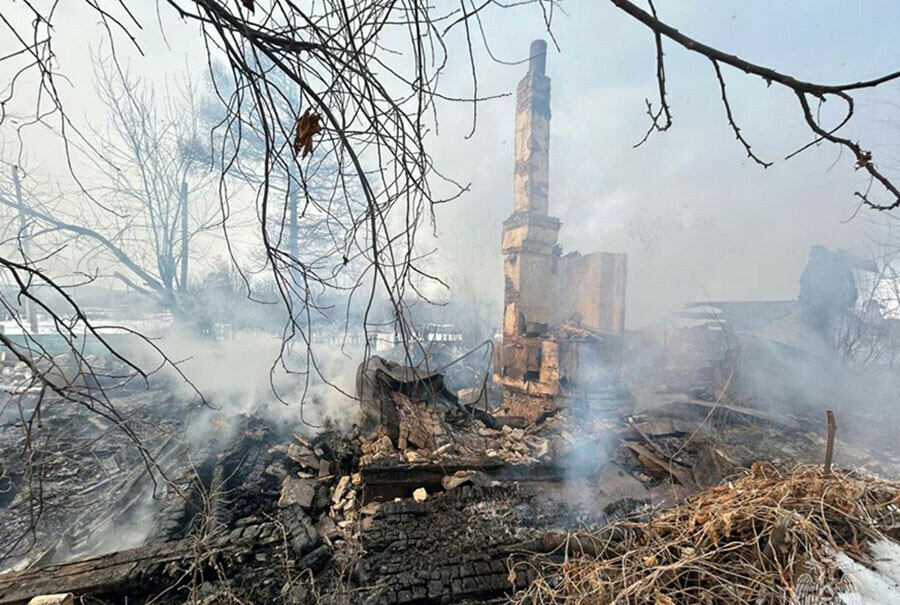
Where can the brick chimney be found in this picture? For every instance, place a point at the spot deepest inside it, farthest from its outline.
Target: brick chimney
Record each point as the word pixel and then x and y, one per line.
pixel 533 134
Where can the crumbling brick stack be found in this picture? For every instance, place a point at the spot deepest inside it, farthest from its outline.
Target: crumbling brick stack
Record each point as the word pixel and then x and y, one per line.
pixel 564 315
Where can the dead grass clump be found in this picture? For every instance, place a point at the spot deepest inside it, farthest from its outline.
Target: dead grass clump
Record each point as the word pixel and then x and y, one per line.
pixel 762 539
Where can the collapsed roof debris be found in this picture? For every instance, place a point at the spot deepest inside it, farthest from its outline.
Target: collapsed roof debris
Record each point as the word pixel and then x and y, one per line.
pixel 441 512
pixel 94 491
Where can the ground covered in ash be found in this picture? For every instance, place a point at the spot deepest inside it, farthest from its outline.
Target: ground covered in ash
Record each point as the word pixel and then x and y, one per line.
pixel 443 504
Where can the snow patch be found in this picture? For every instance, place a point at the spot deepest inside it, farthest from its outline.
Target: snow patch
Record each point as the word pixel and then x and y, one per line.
pixel 878 586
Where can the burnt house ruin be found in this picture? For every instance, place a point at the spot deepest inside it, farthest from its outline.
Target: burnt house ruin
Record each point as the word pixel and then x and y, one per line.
pixel 564 315
pixel 687 467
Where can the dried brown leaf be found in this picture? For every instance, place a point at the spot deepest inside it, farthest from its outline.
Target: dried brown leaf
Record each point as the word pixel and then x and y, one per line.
pixel 307 127
pixel 662 599
pixel 864 160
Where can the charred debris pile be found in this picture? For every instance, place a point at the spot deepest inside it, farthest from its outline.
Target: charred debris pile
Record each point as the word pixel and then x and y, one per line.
pixel 428 500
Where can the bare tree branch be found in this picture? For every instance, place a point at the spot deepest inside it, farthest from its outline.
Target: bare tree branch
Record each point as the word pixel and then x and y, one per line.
pixel 801 88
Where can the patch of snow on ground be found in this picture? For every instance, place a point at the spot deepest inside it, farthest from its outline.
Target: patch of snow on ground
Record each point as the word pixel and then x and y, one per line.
pixel 879 586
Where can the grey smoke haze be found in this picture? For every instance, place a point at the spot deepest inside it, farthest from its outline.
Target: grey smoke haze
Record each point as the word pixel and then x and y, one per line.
pixel 731 229
pixel 236 377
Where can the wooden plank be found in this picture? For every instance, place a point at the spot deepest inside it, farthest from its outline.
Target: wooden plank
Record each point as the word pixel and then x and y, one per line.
pixel 718 411
pixel 104 574
pixel 646 452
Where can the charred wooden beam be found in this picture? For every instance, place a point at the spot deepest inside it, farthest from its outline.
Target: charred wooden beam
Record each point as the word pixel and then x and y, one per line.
pixel 116 573
pixel 156 567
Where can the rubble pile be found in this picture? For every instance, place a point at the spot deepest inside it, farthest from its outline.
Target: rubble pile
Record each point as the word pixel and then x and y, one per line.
pixel 429 500
pixel 212 530
pixel 416 420
pixel 766 537
pixel 427 434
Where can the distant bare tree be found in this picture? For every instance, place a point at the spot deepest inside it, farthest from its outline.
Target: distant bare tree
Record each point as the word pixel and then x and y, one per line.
pixel 151 200
pixel 319 207
pixel 156 180
pixel 647 229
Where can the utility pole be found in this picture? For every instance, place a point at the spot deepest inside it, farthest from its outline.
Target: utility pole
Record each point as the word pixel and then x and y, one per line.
pixel 29 309
pixel 184 235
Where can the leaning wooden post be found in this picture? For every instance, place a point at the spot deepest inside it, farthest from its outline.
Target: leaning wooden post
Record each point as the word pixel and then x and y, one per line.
pixel 829 446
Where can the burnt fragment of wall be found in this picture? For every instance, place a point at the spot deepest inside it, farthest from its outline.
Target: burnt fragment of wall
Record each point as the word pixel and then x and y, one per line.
pixel 451 548
pixel 593 287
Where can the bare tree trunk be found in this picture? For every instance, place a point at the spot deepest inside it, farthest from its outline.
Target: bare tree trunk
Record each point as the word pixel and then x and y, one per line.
pixel 30 311
pixel 184 236
pixel 293 201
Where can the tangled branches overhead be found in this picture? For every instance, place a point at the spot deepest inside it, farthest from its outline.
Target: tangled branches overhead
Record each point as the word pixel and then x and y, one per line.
pixel 346 85
pixel 332 58
pixel 356 106
pixel 803 90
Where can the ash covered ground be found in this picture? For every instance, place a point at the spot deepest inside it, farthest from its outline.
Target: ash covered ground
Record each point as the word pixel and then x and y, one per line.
pixel 436 501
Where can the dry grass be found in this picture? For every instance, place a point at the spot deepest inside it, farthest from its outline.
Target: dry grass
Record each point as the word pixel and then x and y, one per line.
pixel 761 539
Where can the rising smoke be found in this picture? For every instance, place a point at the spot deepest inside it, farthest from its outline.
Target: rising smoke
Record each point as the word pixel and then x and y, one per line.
pixel 250 374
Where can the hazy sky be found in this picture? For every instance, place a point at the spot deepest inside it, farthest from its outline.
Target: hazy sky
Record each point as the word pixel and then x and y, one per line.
pixel 729 229
pixel 736 230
